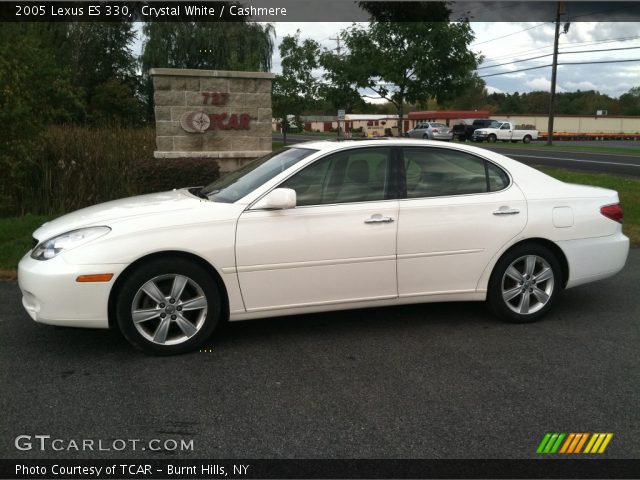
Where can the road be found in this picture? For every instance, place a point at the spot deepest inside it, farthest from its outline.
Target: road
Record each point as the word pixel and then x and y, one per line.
pixel 537 155
pixel 613 163
pixel 421 381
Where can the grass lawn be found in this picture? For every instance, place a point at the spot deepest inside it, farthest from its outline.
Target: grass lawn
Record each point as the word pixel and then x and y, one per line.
pixel 15 240
pixel 15 232
pixel 627 188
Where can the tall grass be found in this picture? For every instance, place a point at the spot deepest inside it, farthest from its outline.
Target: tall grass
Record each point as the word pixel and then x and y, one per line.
pixel 70 167
pixel 81 166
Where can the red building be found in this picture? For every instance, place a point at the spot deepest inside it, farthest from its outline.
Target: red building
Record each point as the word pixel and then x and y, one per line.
pixel 445 116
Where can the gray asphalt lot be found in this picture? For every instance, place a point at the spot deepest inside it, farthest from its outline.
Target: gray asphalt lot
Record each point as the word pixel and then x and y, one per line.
pixel 536 154
pixel 421 381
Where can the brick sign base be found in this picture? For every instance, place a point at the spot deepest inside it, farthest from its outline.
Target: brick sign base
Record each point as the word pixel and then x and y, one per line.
pixel 222 115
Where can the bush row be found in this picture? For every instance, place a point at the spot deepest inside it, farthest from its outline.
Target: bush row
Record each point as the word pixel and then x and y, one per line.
pixel 71 167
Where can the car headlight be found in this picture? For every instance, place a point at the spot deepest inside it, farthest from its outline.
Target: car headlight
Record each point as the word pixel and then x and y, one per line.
pixel 66 241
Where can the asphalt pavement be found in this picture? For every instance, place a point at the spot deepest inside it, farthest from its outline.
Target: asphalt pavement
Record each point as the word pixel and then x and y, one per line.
pixel 536 154
pixel 422 381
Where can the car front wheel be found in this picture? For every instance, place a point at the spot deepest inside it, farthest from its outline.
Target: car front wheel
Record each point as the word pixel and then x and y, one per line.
pixel 168 307
pixel 524 284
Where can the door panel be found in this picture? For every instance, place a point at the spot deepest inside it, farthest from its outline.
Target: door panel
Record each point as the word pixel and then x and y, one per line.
pixel 315 255
pixel 446 241
pixel 338 245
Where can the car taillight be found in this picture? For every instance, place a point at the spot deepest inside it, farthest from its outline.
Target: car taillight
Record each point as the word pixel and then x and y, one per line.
pixel 435 130
pixel 614 212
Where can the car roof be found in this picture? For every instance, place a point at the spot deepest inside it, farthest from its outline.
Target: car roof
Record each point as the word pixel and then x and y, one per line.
pixel 335 145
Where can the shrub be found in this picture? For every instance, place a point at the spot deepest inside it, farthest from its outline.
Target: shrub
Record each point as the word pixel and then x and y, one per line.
pixel 71 167
pixel 155 175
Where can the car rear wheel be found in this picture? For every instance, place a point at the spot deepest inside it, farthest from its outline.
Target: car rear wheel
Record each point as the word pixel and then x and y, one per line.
pixel 168 307
pixel 524 284
pixel 425 136
pixel 527 139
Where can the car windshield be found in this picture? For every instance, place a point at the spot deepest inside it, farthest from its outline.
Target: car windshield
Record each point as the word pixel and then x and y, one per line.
pixel 235 185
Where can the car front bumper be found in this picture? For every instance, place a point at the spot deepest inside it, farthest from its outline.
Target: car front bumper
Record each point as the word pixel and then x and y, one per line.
pixel 51 294
pixel 479 137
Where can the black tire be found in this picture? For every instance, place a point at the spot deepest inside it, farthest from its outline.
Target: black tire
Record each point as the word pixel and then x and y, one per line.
pixel 501 282
pixel 425 136
pixel 178 336
pixel 492 138
pixel 526 139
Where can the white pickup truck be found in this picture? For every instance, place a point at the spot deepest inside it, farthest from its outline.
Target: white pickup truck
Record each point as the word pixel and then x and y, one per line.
pixel 504 131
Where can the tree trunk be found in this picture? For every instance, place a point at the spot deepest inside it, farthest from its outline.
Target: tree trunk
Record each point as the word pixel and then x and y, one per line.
pixel 400 117
pixel 284 132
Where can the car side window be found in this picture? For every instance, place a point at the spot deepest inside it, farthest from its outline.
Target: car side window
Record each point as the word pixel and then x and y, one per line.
pixel 498 179
pixel 358 175
pixel 436 172
pixel 505 126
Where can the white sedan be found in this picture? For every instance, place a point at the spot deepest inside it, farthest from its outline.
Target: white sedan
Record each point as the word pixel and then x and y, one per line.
pixel 324 226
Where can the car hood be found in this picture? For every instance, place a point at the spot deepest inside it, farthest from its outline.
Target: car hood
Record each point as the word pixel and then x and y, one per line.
pixel 116 211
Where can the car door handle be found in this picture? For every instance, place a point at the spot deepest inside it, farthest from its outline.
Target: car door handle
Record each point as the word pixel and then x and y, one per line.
pixel 507 211
pixel 378 219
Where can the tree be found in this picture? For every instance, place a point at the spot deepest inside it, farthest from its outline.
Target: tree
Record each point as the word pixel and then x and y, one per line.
pixel 337 89
pixel 236 45
pixel 296 89
pixel 34 92
pixel 474 97
pixel 630 102
pixel 411 62
pixel 101 57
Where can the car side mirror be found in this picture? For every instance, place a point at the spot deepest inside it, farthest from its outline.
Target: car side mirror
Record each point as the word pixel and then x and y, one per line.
pixel 277 199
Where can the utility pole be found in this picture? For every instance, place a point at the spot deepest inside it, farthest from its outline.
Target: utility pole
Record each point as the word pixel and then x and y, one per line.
pixel 337 39
pixel 554 69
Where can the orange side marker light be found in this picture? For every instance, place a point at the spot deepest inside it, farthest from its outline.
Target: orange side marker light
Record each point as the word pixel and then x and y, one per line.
pixel 98 277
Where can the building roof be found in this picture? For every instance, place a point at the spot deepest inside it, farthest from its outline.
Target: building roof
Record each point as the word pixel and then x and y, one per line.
pixel 448 114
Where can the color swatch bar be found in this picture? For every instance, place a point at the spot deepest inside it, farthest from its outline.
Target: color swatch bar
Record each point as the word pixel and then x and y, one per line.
pixel 574 442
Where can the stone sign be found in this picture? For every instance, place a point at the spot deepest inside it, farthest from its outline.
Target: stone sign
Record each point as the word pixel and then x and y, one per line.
pixel 215 114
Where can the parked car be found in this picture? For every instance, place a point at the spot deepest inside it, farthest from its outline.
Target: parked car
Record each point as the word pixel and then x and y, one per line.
pixel 431 131
pixel 464 131
pixel 505 132
pixel 324 226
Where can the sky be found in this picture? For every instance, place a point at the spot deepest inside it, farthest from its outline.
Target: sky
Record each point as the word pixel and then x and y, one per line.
pixel 501 43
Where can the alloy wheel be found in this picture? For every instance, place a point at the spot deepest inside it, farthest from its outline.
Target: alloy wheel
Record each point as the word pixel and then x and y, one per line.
pixel 527 284
pixel 169 309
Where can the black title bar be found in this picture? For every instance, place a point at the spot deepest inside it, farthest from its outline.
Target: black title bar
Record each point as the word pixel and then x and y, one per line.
pixel 309 11
pixel 317 469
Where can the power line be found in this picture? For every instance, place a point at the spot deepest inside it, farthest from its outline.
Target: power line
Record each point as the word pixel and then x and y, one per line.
pixel 601 50
pixel 559 53
pixel 565 63
pixel 509 34
pixel 516 61
pixel 565 45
